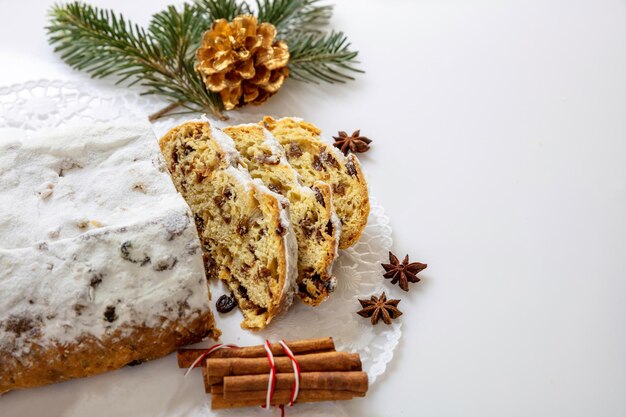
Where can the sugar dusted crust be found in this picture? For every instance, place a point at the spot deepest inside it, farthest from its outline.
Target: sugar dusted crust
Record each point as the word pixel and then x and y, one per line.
pixel 311 209
pixel 244 227
pixel 99 254
pixel 316 160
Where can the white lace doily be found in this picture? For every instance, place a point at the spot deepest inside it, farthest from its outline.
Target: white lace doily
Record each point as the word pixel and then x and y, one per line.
pixel 157 388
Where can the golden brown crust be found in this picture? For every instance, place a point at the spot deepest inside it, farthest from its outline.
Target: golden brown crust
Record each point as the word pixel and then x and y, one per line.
pixel 349 188
pixel 354 234
pixel 91 356
pixel 328 257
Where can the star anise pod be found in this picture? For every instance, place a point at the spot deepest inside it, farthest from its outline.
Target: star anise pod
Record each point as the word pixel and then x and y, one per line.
pixel 380 308
pixel 402 273
pixel 355 143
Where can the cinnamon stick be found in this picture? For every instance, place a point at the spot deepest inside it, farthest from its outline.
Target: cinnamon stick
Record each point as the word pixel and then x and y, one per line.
pixel 187 356
pixel 249 398
pixel 341 381
pixel 286 393
pixel 205 379
pixel 217 368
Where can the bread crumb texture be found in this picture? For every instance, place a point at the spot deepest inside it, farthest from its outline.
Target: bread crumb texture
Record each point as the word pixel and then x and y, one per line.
pixel 244 228
pixel 316 160
pixel 311 209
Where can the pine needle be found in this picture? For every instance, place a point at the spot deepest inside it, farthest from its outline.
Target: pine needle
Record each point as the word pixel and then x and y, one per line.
pixel 223 9
pixel 328 58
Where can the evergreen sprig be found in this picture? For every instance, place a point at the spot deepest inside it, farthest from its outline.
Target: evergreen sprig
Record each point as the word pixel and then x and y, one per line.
pixel 103 43
pixel 322 57
pixel 223 9
pixel 294 16
pixel 161 57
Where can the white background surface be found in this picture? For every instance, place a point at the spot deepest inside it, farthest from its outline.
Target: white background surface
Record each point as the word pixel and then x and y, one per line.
pixel 499 153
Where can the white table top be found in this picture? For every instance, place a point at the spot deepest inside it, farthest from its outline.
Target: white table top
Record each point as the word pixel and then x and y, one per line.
pixel 500 155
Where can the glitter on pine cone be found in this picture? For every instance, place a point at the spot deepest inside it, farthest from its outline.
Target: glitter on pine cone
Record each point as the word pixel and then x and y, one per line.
pixel 242 61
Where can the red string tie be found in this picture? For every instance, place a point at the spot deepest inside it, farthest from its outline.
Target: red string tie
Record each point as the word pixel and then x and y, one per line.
pixel 208 352
pixel 271 383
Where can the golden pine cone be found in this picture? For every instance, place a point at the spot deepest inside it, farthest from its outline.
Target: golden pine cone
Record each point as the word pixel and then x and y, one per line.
pixel 242 61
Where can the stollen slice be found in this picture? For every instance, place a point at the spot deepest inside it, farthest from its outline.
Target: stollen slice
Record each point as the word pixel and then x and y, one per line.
pixel 315 223
pixel 316 160
pixel 244 227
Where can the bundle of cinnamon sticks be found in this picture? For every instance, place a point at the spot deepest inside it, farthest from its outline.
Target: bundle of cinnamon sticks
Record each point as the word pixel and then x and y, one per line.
pixel 239 377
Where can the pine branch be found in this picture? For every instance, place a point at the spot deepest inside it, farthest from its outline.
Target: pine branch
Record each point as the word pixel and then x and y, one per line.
pixel 162 59
pixel 292 16
pixel 223 9
pixel 103 43
pixel 277 12
pixel 322 57
pixel 179 33
pixel 81 31
pixel 310 18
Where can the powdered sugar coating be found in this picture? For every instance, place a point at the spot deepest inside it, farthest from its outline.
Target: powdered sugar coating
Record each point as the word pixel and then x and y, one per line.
pixel 94 237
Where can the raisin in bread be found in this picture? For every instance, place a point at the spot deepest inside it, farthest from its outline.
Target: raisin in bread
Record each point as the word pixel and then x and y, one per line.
pixel 316 160
pixel 315 223
pixel 243 226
